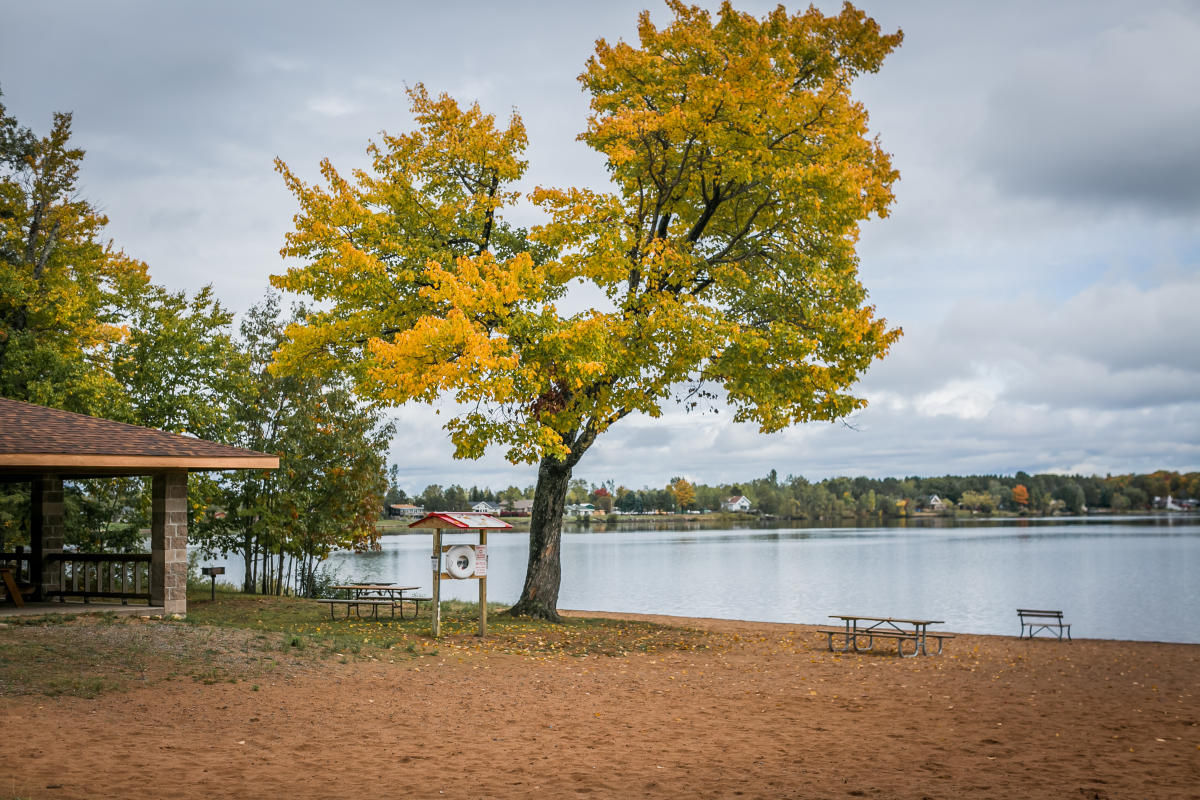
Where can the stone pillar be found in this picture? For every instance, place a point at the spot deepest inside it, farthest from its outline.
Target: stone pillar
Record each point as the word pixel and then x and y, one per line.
pixel 168 542
pixel 45 533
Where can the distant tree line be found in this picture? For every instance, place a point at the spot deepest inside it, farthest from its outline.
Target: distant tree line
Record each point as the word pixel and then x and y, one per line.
pixel 843 497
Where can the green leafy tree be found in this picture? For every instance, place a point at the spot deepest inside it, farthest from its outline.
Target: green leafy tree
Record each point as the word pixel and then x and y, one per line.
pixel 510 495
pixel 327 492
pixel 14 515
pixel 395 495
pixel 60 286
pixel 1072 495
pixel 983 502
pixel 331 481
pixel 82 327
pixel 178 366
pixel 741 168
pixel 1137 497
pixel 434 498
pixel 578 491
pixel 456 498
pixel 105 515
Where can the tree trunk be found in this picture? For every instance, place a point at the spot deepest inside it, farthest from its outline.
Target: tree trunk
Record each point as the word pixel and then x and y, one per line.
pixel 279 572
pixel 539 597
pixel 248 557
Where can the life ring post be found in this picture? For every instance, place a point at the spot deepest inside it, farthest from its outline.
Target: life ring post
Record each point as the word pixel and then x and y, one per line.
pixel 460 561
pixel 483 589
pixel 437 582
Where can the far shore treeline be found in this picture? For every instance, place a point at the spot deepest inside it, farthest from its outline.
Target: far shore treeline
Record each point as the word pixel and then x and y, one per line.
pixel 842 497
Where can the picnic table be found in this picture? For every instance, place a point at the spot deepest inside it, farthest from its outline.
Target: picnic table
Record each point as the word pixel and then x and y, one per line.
pixel 859 633
pixel 372 596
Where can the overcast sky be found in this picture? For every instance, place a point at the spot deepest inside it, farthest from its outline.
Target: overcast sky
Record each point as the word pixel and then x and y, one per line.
pixel 1043 255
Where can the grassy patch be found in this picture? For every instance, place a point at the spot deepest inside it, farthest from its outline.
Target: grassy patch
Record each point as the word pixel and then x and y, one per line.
pixel 306 624
pixel 241 637
pixel 86 655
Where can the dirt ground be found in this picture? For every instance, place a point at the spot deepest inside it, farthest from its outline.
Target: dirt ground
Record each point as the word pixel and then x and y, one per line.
pixel 765 712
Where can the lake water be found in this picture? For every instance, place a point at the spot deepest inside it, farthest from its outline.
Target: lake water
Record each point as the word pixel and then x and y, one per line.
pixel 1121 578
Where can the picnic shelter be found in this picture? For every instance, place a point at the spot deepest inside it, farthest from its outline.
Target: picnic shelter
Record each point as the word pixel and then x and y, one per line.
pixel 43 446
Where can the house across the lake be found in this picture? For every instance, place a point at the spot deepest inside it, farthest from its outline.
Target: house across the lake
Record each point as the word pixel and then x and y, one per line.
pixel 935 503
pixel 736 503
pixel 405 510
pixel 484 507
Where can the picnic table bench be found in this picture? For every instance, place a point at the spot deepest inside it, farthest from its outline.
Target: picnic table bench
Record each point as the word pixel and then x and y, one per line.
pixel 357 605
pixel 374 596
pixel 859 633
pixel 1036 620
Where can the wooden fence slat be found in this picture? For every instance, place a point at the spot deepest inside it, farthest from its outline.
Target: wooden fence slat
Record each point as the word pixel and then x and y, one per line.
pixel 89 575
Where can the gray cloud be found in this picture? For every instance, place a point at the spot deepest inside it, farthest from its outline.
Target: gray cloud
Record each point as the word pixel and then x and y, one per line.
pixel 1106 120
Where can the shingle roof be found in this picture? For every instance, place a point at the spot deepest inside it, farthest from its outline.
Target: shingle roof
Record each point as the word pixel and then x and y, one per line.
pixel 35 438
pixel 448 519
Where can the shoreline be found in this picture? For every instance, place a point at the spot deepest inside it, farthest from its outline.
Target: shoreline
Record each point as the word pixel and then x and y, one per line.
pixel 398 527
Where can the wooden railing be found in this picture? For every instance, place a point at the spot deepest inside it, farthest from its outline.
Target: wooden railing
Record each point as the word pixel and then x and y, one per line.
pixel 122 576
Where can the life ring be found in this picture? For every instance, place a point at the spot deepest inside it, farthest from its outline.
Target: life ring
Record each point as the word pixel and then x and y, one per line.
pixel 460 561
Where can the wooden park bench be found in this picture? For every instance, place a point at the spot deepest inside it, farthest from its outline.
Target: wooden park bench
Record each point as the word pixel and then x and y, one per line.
pixel 1036 620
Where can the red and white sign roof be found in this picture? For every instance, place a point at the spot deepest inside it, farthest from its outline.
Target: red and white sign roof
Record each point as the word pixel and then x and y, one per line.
pixel 463 520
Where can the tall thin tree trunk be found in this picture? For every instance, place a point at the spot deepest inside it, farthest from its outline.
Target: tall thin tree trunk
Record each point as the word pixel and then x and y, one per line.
pixel 248 557
pixel 539 597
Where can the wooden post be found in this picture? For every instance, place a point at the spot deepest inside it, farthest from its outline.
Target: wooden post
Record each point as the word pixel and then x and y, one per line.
pixel 483 589
pixel 437 582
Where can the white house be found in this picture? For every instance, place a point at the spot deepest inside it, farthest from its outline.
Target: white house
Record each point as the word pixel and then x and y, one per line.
pixel 405 510
pixel 736 503
pixel 484 507
pixel 936 503
pixel 580 510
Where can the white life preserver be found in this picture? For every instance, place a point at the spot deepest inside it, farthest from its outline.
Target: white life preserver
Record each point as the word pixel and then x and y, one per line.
pixel 460 561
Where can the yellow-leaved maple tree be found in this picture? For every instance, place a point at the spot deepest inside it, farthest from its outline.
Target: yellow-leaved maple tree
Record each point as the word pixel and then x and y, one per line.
pixel 725 247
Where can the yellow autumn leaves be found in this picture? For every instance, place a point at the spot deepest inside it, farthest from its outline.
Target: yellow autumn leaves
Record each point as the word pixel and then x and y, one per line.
pixel 724 248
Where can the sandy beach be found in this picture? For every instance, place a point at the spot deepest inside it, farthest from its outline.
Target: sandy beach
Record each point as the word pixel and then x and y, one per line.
pixel 755 710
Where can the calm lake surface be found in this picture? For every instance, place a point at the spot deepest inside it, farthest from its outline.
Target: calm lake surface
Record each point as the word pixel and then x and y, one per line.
pixel 1120 578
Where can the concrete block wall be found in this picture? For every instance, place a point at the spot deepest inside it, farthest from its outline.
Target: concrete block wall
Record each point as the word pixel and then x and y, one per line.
pixel 168 541
pixel 48 529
